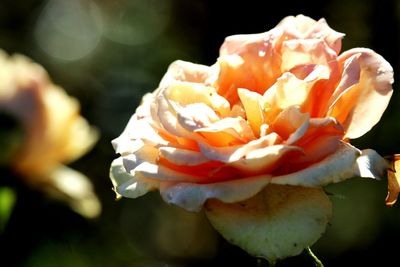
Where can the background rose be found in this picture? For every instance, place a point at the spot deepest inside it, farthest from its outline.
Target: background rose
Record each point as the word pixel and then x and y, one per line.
pixel 277 108
pixel 52 133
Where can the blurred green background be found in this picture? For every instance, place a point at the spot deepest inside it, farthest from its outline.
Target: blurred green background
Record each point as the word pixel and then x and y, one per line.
pixel 108 53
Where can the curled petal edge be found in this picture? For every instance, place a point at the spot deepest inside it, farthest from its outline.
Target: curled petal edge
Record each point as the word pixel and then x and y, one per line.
pixel 346 163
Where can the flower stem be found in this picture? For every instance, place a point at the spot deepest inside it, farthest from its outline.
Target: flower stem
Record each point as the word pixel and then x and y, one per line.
pixel 263 263
pixel 317 262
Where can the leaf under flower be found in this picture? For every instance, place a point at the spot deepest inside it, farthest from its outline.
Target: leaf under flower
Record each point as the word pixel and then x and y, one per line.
pixel 279 222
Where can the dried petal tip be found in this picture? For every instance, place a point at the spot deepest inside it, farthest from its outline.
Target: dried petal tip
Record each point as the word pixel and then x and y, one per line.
pixel 393 180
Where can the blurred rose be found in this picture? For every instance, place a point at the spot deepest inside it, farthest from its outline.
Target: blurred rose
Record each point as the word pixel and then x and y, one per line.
pixel 277 108
pixel 53 132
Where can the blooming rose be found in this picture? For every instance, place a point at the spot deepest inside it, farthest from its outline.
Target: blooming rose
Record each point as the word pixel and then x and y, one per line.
pixel 276 108
pixel 53 132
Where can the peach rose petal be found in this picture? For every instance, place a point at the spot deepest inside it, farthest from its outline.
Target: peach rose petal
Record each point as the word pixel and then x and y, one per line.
pixel 278 222
pixel 130 140
pixel 192 196
pixel 182 156
pixel 307 28
pixel 366 101
pixel 291 124
pixel 253 104
pixel 319 148
pixel 264 159
pixel 145 163
pixel 128 185
pixel 248 61
pixel 234 153
pixel 307 51
pixel 185 71
pixel 393 181
pixel 167 115
pixel 345 163
pixel 236 127
pixel 195 116
pixel 186 93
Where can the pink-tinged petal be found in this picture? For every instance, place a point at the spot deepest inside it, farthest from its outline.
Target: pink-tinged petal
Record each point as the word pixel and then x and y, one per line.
pixel 196 116
pixel 318 149
pixel 234 153
pixel 182 156
pixel 341 165
pixel 265 159
pixel 291 124
pixel 167 116
pixel 127 184
pixel 306 51
pixel 131 139
pixel 192 196
pixel 350 76
pixel 185 72
pixel 298 25
pixel 303 27
pixel 248 61
pixel 290 90
pixel 165 174
pixel 145 162
pixel 235 127
pixel 318 127
pixel 279 222
pixel 361 106
pixel 345 163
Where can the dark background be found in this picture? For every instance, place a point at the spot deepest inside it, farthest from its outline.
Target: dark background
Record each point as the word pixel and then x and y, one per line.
pixel 108 54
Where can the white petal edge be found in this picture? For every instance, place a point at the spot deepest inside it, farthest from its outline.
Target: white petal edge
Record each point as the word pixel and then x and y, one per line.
pixel 128 185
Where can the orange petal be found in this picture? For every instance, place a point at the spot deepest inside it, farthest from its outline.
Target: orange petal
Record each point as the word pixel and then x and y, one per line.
pixel 361 106
pixel 234 153
pixel 253 104
pixel 393 181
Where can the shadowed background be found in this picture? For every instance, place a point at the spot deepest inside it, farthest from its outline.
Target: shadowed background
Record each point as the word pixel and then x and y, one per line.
pixel 108 53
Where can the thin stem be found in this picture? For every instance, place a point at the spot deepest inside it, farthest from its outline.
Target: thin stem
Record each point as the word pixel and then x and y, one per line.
pixel 262 263
pixel 318 263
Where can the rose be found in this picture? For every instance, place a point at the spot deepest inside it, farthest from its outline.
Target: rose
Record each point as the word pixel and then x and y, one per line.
pixel 277 108
pixel 53 132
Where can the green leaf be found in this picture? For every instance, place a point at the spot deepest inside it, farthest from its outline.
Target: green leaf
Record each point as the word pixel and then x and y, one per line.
pixel 7 201
pixel 279 222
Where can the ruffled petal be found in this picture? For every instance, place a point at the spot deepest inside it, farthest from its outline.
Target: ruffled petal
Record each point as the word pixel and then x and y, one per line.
pixel 234 153
pixel 304 27
pixel 345 163
pixel 182 156
pixel 128 185
pixel 361 105
pixel 192 196
pixel 253 104
pixel 236 128
pixel 185 72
